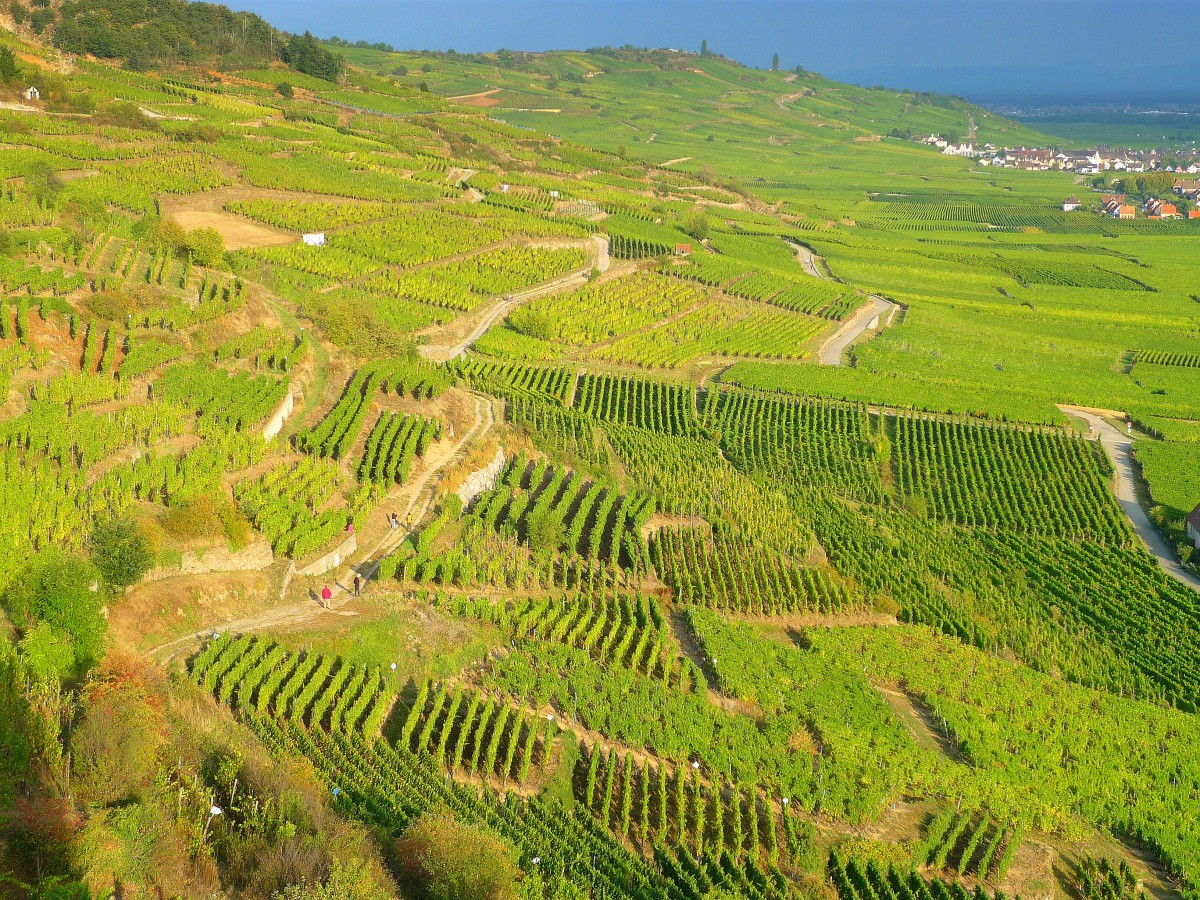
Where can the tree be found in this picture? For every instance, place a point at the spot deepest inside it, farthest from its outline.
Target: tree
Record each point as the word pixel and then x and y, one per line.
pixel 43 184
pixel 163 235
pixel 445 859
pixel 545 530
pixel 775 63
pixel 121 552
pixel 704 47
pixel 206 246
pixel 48 655
pixel 62 591
pixel 696 224
pixel 9 70
pixel 284 89
pixel 304 53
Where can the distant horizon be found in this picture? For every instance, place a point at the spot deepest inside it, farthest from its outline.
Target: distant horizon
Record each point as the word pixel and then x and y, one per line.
pixel 987 50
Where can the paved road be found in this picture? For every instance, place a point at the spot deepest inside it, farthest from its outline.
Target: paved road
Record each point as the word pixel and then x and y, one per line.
pixel 1119 448
pixel 867 316
pixel 808 260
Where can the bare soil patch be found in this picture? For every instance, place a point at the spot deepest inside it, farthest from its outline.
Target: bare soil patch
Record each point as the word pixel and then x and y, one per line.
pixel 236 231
pixel 156 610
pixel 659 521
pixel 482 100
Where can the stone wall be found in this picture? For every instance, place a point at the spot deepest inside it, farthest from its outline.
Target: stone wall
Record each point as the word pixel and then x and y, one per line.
pixel 333 558
pixel 275 423
pixel 482 479
pixel 253 557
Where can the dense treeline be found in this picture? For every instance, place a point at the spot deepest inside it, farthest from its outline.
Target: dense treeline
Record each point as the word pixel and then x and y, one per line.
pixel 304 53
pixel 175 31
pixel 165 30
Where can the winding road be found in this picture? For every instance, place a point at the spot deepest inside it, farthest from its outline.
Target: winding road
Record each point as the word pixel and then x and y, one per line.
pixel 864 318
pixel 503 307
pixel 1119 448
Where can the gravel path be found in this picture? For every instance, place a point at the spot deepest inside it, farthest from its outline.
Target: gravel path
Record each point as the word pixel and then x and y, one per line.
pixel 1119 448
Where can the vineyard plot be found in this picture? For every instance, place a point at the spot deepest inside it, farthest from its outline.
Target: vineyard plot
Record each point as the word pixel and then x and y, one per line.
pixel 558 509
pixel 991 476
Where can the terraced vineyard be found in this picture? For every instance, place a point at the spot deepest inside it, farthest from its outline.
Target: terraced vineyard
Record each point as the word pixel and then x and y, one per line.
pixel 633 598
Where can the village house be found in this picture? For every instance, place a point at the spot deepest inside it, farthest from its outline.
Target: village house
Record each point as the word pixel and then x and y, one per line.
pixel 967 150
pixel 1071 204
pixel 1125 211
pixel 1160 209
pixel 1112 203
pixel 1189 189
pixel 1193 527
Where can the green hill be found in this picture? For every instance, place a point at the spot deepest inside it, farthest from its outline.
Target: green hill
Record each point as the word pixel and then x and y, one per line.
pixel 617 474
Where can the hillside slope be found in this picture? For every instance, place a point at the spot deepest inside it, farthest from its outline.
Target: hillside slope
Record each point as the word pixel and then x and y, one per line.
pixel 397 496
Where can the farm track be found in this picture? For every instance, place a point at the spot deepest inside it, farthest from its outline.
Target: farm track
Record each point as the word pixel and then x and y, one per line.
pixel 419 495
pixel 865 317
pixel 502 308
pixel 1119 448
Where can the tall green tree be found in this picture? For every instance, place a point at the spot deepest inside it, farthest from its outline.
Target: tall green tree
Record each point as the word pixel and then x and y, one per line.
pixel 120 549
pixel 9 70
pixel 62 591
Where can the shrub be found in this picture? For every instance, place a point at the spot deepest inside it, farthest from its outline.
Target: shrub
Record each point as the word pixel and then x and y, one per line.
pixel 206 246
pixel 443 859
pixel 121 552
pixel 115 744
pixel 61 590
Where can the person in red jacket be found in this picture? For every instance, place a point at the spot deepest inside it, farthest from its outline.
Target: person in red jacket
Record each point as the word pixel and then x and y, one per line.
pixel 326 595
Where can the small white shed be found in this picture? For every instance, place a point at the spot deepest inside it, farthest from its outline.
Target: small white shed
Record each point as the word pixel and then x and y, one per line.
pixel 316 239
pixel 31 93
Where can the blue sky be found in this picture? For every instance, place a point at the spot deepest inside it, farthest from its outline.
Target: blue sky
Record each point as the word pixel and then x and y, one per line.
pixel 972 47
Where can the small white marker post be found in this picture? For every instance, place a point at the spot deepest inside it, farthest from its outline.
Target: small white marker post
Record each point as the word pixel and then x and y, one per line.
pixel 212 814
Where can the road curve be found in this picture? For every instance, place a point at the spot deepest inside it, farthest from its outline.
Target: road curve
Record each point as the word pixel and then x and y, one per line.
pixel 866 316
pixel 1119 448
pixel 503 307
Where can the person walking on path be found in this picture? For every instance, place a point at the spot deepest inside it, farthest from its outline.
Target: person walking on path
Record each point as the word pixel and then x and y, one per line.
pixel 326 596
pixel 357 584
